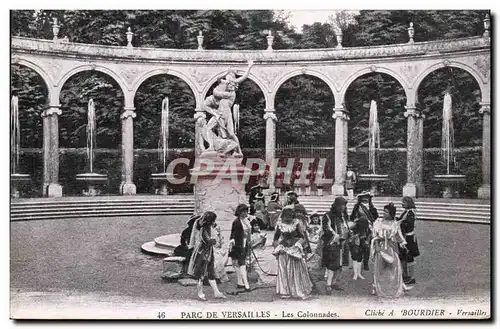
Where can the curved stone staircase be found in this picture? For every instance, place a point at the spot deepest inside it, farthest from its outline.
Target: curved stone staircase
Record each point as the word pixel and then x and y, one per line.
pixel 455 210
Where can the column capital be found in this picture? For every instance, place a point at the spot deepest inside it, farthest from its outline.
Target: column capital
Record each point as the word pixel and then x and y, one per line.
pixel 340 113
pixel 270 115
pixel 52 110
pixel 128 112
pixel 412 111
pixel 485 108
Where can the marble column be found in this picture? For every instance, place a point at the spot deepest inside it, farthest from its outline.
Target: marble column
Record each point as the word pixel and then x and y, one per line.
pixel 419 179
pixel 484 192
pixel 127 186
pixel 46 152
pixel 200 120
pixel 51 151
pixel 414 153
pixel 341 149
pixel 270 118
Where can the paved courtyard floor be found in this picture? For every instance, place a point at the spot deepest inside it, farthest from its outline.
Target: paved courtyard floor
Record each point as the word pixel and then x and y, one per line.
pixel 91 268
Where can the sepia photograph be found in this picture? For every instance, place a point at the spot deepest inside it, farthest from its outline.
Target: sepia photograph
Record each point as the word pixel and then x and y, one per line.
pixel 250 164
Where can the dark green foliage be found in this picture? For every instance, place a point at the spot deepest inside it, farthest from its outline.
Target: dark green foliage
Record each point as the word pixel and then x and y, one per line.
pixel 33 96
pixel 391 100
pixel 466 98
pixel 304 107
pixel 109 103
pixel 148 102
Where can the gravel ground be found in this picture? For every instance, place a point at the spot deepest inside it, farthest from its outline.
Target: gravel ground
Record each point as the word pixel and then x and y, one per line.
pixel 102 256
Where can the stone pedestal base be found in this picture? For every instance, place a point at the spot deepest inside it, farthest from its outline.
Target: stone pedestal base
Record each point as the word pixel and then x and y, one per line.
pixel 221 190
pixel 91 191
pixel 163 190
pixel 128 189
pixel 413 190
pixel 54 191
pixel 337 190
pixel 484 192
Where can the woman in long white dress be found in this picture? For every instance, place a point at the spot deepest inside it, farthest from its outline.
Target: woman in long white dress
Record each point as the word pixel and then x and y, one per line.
pixel 387 271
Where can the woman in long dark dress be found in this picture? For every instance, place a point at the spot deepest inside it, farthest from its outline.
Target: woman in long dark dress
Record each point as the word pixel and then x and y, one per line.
pixel 202 263
pixel 240 244
pixel 408 255
pixel 289 241
pixel 335 232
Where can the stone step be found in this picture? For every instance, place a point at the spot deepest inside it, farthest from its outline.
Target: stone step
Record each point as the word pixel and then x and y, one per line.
pixel 420 211
pixel 102 208
pixel 449 216
pixel 41 216
pixel 105 203
pixel 418 205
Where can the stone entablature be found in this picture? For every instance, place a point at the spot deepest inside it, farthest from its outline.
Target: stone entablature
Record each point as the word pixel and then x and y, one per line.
pixel 409 64
pixel 80 50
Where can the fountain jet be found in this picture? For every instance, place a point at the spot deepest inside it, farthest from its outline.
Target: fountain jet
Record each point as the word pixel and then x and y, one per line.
pixel 449 180
pixel 163 177
pixel 15 147
pixel 92 179
pixel 91 122
pixel 447 138
pixel 374 137
pixel 373 144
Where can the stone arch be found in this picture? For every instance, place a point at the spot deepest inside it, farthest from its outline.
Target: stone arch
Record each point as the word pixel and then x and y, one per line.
pixel 165 71
pixel 41 72
pixel 483 86
pixel 304 71
pixel 369 70
pixel 251 76
pixel 94 67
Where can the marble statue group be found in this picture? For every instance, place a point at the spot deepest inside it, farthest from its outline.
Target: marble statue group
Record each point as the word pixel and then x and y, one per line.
pixel 220 130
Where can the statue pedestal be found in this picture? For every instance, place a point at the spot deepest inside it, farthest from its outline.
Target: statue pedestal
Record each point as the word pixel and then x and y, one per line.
pixel 450 183
pixel 161 180
pixel 221 189
pixel 16 181
pixel 374 180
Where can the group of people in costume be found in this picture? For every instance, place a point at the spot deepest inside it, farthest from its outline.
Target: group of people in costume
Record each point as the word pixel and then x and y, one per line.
pixel 333 240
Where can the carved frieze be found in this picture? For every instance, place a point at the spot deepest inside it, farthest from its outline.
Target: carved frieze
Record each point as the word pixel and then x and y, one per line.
pixel 130 74
pixel 270 75
pixel 483 64
pixel 410 71
pixel 337 74
pixel 200 75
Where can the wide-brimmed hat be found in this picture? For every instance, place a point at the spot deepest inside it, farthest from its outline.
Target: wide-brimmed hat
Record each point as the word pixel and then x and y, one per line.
pixel 259 196
pixel 364 194
pixel 291 193
pixel 241 207
pixel 349 166
pixel 274 196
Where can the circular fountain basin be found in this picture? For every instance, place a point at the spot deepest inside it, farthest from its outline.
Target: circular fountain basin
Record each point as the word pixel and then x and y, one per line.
pixel 20 177
pixel 92 178
pixel 162 177
pixel 449 178
pixel 373 177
